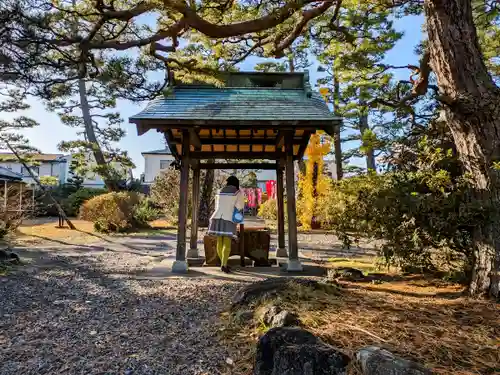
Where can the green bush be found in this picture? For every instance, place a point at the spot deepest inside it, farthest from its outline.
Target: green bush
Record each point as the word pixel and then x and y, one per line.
pixel 268 210
pixel 74 201
pixel 113 212
pixel 422 217
pixel 146 211
pixel 165 192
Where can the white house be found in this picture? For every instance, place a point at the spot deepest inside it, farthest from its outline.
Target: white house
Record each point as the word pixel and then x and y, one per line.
pixel 158 160
pixel 47 165
pixel 55 165
pixel 154 162
pixel 92 180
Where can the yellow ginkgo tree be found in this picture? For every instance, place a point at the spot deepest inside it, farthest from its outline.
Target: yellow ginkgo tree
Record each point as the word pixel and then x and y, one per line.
pixel 313 183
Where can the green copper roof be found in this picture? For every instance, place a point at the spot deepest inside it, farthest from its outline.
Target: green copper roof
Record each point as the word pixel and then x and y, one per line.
pixel 246 104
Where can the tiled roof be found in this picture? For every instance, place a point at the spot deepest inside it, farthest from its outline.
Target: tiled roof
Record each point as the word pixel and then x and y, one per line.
pixel 7 174
pixel 256 104
pixel 8 156
pixel 164 151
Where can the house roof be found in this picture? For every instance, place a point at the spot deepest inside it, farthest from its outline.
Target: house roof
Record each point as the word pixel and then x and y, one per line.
pixel 235 104
pixel 7 174
pixel 164 151
pixel 8 156
pixel 248 118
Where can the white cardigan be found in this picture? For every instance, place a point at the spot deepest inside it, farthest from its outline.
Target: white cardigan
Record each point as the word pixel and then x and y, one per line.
pixel 225 202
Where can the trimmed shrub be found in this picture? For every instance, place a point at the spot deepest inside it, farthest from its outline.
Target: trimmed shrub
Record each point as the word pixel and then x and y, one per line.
pixel 269 210
pixel 165 192
pixel 146 211
pixel 113 212
pixel 74 201
pixel 424 218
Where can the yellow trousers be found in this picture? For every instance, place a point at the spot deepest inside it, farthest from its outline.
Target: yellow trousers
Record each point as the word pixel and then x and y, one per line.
pixel 223 249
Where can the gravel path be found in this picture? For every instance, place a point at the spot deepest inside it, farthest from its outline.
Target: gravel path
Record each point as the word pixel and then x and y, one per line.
pixel 71 314
pixel 84 309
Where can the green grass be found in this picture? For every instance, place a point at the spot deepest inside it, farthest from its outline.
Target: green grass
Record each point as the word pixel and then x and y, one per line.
pixel 366 265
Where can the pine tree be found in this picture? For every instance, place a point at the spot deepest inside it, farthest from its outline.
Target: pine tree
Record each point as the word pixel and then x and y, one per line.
pixel 79 84
pixel 355 74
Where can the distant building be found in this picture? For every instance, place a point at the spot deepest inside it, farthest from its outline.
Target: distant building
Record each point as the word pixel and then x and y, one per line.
pixel 47 165
pixel 92 180
pixel 155 162
pixel 55 165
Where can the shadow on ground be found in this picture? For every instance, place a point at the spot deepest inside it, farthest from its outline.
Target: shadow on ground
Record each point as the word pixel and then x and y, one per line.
pixel 69 314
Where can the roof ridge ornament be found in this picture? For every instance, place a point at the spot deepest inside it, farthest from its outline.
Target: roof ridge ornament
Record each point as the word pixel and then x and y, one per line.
pixel 307 84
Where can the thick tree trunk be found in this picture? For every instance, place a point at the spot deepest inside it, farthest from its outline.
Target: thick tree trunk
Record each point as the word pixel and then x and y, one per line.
pixel 206 198
pixel 473 115
pixel 110 182
pixel 90 136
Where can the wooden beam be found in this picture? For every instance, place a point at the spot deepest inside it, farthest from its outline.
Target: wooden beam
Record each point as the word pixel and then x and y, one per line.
pixel 251 139
pixel 263 166
pixel 303 146
pixel 293 250
pixel 244 141
pixel 195 139
pixel 281 251
pixel 180 264
pixel 237 155
pixel 280 139
pixel 238 136
pixel 193 248
pixel 211 136
pixel 169 137
pixel 225 143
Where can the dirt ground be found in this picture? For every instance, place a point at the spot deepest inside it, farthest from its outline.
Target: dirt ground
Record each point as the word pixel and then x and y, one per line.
pixel 416 317
pixel 85 303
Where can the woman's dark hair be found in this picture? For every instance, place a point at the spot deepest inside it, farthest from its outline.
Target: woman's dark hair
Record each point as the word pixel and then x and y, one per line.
pixel 233 181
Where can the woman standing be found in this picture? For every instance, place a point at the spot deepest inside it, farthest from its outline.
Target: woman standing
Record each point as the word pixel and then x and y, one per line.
pixel 223 222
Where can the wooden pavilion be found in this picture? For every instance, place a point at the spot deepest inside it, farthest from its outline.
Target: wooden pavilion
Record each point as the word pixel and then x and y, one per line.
pixel 255 121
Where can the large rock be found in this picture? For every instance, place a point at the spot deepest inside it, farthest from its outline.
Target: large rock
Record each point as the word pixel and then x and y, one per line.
pixel 377 361
pixel 274 317
pixel 268 287
pixel 294 351
pixel 284 319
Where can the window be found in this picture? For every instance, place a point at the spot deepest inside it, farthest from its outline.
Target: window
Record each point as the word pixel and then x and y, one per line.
pixel 164 164
pixel 25 172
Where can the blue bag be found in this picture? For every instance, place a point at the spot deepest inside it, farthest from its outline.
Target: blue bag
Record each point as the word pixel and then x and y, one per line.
pixel 237 216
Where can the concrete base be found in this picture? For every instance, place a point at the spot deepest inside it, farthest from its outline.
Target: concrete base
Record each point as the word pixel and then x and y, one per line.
pixel 281 253
pixel 193 253
pixel 195 262
pixel 180 266
pixel 294 265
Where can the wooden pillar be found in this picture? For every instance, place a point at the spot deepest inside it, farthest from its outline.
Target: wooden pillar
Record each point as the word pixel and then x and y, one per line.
pixel 20 197
pixel 5 197
pixel 294 264
pixel 193 248
pixel 180 264
pixel 281 251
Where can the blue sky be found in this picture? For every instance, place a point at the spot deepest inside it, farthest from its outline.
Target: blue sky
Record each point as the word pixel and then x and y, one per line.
pixel 51 131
